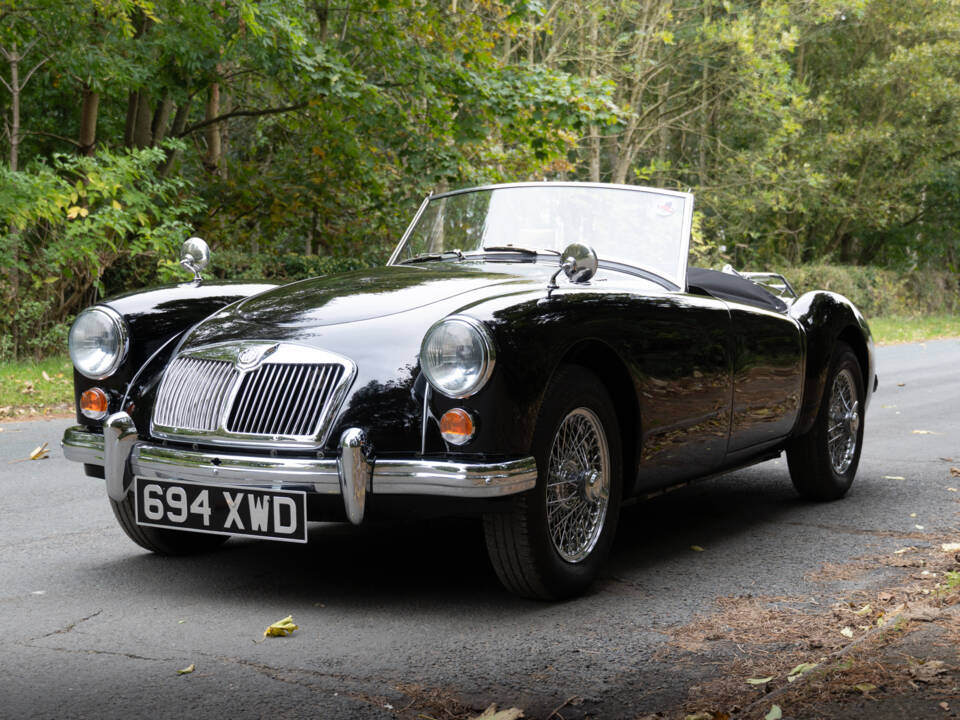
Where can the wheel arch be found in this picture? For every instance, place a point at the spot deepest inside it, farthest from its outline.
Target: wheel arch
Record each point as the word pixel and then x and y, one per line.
pixel 608 366
pixel 828 318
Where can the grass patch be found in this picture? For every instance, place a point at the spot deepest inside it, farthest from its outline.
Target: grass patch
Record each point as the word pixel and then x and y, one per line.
pixel 36 388
pixel 904 329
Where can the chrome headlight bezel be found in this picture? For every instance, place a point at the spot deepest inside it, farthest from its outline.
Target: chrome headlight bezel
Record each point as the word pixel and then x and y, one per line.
pixel 116 327
pixel 481 371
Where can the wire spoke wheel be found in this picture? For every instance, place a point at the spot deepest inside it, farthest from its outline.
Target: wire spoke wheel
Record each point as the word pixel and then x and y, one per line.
pixel 578 485
pixel 844 422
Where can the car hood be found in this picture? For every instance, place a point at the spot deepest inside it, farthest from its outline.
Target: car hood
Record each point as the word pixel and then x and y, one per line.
pixel 366 308
pixel 366 294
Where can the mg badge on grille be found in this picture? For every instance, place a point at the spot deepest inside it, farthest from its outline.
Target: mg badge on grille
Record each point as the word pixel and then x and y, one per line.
pixel 250 357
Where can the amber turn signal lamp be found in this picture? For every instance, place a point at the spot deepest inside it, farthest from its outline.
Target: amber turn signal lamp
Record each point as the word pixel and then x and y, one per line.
pixel 457 426
pixel 93 403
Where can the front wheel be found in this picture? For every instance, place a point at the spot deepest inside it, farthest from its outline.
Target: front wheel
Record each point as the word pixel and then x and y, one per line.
pixel 161 540
pixel 553 540
pixel 823 461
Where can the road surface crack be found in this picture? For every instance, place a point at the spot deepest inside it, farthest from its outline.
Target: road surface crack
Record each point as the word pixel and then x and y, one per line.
pixel 69 628
pixel 88 651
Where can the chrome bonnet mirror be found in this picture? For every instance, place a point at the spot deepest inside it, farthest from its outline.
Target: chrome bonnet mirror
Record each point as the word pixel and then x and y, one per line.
pixel 578 262
pixel 195 256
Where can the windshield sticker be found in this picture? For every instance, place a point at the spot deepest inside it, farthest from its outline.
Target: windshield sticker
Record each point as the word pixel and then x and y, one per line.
pixel 665 208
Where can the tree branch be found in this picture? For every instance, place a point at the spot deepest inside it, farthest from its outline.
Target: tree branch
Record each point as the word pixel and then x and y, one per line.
pixel 51 135
pixel 240 113
pixel 30 74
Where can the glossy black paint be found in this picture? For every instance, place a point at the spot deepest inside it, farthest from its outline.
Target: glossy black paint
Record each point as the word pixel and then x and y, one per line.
pixel 699 383
pixel 156 318
pixel 825 318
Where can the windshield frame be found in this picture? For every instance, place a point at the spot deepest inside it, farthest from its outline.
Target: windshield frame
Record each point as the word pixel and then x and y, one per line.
pixel 679 280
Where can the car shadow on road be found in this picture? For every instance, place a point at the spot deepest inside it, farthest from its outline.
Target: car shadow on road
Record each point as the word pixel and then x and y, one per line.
pixel 443 562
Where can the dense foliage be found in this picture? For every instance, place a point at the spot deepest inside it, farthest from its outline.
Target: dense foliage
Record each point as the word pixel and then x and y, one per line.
pixel 297 136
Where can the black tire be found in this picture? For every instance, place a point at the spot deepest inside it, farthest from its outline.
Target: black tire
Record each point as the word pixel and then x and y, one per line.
pixel 159 540
pixel 822 466
pixel 520 542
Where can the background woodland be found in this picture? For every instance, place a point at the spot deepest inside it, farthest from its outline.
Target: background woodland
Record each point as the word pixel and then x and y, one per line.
pixel 298 136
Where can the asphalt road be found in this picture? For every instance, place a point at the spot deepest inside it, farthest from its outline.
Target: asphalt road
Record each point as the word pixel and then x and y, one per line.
pixel 91 626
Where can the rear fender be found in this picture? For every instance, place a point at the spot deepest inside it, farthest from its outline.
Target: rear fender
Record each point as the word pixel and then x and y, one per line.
pixel 827 318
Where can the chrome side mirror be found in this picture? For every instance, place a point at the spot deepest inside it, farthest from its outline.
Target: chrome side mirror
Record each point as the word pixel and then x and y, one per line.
pixel 578 262
pixel 195 256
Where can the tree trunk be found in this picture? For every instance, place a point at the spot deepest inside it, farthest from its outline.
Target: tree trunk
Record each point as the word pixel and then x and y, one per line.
pixel 15 88
pixel 143 132
pixel 211 161
pixel 179 123
pixel 130 127
pixel 704 125
pixel 161 118
pixel 89 109
pixel 594 129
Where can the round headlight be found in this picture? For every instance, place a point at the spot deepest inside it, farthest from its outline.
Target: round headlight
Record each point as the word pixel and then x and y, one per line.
pixel 457 356
pixel 98 342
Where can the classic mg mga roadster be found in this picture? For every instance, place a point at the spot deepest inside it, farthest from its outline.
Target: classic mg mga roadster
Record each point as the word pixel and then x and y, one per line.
pixel 535 354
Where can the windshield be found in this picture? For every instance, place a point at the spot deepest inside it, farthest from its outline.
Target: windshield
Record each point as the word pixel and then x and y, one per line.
pixel 644 228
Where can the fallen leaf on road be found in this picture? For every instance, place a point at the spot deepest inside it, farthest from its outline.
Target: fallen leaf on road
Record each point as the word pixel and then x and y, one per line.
pixel 799 670
pixel 696 548
pixel 901 551
pixel 929 671
pixel 759 681
pixel 864 610
pixel 913 514
pixel 900 384
pixel 187 670
pixel 847 632
pixel 775 713
pixel 926 432
pixel 39 453
pixel 491 713
pixel 954 472
pixel 893 477
pixel 919 527
pixel 865 687
pixel 281 627
pixel 952 489
pixel 923 613
pixel 950 547
pixel 945 706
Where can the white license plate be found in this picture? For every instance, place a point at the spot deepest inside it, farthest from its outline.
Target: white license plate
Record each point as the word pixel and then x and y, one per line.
pixel 222 509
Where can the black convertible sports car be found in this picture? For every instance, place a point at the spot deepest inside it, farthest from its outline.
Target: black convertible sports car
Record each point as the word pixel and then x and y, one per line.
pixel 535 353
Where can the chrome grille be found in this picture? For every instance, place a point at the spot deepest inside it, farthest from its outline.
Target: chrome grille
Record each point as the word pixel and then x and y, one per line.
pixel 194 394
pixel 252 393
pixel 284 399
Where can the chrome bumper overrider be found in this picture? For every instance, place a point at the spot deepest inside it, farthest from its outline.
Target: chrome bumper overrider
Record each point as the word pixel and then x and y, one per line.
pixel 351 475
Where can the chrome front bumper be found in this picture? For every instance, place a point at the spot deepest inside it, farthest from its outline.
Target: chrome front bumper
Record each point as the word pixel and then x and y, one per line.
pixel 351 475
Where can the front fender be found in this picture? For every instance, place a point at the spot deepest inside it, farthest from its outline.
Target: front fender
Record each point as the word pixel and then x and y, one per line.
pixel 827 318
pixel 156 319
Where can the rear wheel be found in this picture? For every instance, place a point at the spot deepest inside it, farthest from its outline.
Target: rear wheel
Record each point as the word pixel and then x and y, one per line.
pixel 160 540
pixel 552 542
pixel 823 462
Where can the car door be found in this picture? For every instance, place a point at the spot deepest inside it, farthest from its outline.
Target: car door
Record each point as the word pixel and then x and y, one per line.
pixel 680 347
pixel 768 352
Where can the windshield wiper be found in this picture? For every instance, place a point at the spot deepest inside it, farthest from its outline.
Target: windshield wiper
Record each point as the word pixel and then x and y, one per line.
pixel 521 250
pixel 426 257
